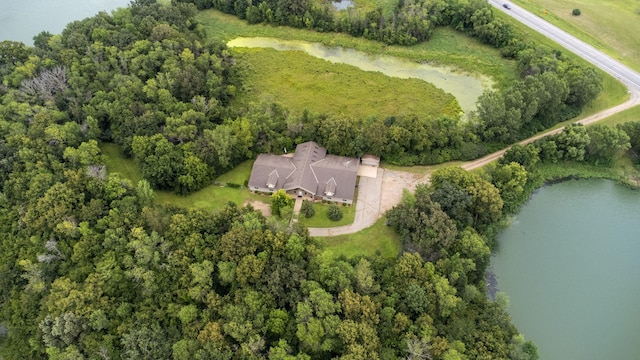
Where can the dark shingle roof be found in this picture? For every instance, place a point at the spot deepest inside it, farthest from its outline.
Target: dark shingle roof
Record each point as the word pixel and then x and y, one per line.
pixel 310 169
pixel 265 165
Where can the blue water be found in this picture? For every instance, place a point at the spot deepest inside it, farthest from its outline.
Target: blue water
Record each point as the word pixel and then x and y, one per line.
pixel 22 20
pixel 570 264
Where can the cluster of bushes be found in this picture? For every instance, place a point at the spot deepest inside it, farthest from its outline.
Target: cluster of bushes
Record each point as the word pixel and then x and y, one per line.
pixel 334 212
pixel 307 209
pixel 596 144
pixel 407 23
pixel 551 89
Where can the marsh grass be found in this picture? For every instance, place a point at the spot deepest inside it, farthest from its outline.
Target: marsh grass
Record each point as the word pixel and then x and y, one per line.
pixel 301 82
pixel 447 47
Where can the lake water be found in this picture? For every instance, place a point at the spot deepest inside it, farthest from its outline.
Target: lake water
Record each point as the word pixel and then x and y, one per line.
pixel 570 263
pixel 465 87
pixel 343 4
pixel 21 20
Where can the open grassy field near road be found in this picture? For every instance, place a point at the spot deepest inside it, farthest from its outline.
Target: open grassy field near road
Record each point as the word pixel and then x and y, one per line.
pixel 379 237
pixel 301 82
pixel 632 114
pixel 320 219
pixel 212 197
pixel 613 92
pixel 446 47
pixel 611 26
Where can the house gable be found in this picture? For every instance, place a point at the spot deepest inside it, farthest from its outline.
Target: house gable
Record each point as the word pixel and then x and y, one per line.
pixel 310 170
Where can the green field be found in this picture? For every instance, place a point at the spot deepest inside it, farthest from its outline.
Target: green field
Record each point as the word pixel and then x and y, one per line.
pixel 212 197
pixel 308 83
pixel 320 219
pixel 238 175
pixel 447 47
pixel 367 242
pixel 611 26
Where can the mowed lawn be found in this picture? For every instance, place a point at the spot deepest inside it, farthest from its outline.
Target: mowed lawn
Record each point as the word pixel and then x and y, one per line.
pixel 212 197
pixel 320 219
pixel 302 82
pixel 611 26
pixel 367 242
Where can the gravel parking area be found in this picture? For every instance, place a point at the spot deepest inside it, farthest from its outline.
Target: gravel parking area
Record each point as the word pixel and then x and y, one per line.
pixel 392 185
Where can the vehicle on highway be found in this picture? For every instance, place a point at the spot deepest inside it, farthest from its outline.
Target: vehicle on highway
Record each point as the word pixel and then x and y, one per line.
pixel 506 6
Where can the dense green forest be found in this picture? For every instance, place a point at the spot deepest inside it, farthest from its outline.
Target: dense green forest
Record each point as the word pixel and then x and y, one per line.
pixel 92 268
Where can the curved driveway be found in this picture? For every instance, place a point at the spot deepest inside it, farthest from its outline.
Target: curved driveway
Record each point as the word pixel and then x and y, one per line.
pixel 367 208
pixel 367 211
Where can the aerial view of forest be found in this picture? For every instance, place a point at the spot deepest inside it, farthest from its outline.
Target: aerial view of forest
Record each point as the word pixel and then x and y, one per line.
pixel 126 142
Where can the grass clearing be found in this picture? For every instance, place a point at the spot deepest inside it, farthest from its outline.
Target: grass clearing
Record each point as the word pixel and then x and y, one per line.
pixel 212 197
pixel 447 47
pixel 320 219
pixel 610 26
pixel 237 175
pixel 367 242
pixel 308 83
pixel 117 162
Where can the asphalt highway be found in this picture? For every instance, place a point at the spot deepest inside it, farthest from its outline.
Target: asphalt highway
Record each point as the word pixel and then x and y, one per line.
pixel 603 61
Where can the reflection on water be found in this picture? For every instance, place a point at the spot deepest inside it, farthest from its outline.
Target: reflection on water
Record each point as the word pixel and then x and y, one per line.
pixel 465 87
pixel 570 268
pixel 342 5
pixel 22 20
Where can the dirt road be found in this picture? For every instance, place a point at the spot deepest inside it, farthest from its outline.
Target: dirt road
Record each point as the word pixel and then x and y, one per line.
pixel 395 181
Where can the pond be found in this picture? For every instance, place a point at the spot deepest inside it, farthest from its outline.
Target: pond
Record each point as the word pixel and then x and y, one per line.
pixel 465 87
pixel 570 265
pixel 22 20
pixel 342 4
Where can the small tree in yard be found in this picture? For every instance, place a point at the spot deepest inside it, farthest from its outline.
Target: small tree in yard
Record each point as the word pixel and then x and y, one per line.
pixel 334 213
pixel 279 201
pixel 307 209
pixel 576 12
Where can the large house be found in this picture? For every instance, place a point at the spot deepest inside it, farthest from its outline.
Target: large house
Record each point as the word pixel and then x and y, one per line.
pixel 311 172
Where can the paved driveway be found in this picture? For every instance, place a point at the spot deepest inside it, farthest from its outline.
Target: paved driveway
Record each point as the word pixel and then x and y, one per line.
pixel 367 208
